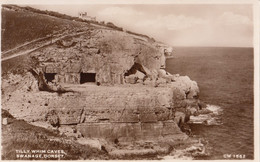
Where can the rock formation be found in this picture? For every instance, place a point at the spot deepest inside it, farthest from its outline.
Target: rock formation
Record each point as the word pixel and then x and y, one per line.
pixel 105 55
pixel 133 98
pixel 147 102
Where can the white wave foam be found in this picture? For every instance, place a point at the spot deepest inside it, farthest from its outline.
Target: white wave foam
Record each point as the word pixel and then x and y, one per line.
pixel 217 110
pixel 210 118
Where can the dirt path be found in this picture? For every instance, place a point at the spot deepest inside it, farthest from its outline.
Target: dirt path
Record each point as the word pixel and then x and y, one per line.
pixel 20 50
pixel 27 48
pixel 25 44
pixel 53 40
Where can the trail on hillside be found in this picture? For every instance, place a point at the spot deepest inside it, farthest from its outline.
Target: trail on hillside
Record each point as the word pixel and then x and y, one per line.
pixel 53 40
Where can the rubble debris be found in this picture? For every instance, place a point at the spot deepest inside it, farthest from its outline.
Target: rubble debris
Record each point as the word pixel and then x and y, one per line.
pixel 52 118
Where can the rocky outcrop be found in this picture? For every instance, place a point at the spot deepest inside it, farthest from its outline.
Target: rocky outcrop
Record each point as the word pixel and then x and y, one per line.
pixel 210 115
pixel 133 98
pixel 107 54
pixel 126 113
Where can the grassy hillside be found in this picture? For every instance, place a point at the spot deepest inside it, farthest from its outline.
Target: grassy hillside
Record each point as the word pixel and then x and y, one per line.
pixel 21 26
pixel 19 135
pixel 17 65
pixel 24 24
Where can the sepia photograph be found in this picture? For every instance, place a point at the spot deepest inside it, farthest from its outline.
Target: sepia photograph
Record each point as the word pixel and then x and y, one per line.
pixel 130 80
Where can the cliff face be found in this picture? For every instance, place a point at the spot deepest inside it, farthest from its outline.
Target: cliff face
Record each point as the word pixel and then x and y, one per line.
pixel 126 112
pixel 106 53
pixel 133 97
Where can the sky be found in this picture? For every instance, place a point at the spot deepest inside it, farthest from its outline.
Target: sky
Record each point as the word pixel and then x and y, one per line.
pixel 175 24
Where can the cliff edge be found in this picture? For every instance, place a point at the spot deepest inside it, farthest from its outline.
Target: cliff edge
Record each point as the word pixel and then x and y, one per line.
pixel 106 84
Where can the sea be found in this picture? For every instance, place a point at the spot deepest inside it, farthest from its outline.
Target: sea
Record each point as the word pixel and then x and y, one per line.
pixel 225 76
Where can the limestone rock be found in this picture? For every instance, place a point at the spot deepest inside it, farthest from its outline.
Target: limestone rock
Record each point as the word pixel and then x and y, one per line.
pixel 132 79
pixel 95 143
pixel 194 90
pixel 69 131
pixel 151 83
pixel 52 118
pixel 185 88
pixel 42 124
pixel 168 51
pixel 161 73
pixel 179 117
pixel 5 121
pixel 192 110
pixel 139 75
pixel 116 111
pixel 199 119
pixel 161 81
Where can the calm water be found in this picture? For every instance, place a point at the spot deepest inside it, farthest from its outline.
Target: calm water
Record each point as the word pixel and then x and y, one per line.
pixel 225 78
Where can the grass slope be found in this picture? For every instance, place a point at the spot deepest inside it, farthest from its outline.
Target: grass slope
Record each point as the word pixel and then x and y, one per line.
pixel 24 24
pixel 19 135
pixel 20 26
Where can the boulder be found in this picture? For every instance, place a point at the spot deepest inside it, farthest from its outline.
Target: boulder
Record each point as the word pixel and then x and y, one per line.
pixel 194 90
pixel 162 73
pixel 161 81
pixel 139 75
pixel 5 121
pixel 187 88
pixel 179 117
pixel 192 110
pixel 150 82
pixel 201 119
pixel 164 100
pixel 168 51
pixel 69 131
pixel 132 79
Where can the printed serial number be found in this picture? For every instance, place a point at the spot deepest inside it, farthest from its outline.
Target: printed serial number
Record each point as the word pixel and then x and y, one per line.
pixel 234 156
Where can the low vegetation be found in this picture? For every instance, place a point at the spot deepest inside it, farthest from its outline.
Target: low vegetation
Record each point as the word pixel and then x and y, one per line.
pixel 24 24
pixel 21 26
pixel 142 35
pixel 19 135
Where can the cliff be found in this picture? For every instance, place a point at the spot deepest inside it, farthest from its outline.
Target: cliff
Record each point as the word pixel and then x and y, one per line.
pixel 108 84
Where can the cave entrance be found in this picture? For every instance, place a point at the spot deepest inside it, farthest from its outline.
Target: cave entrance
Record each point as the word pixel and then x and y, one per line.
pixel 49 76
pixel 136 67
pixel 87 77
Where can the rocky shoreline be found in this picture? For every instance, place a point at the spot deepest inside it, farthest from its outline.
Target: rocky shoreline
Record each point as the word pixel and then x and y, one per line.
pixel 209 116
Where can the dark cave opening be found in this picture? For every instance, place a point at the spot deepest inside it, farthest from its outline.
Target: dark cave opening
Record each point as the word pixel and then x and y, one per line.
pixel 134 68
pixel 87 77
pixel 49 76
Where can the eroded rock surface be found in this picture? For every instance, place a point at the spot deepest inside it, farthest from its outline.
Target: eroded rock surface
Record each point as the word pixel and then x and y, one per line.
pixel 107 54
pixel 131 98
pixel 131 112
